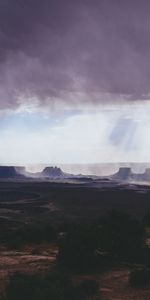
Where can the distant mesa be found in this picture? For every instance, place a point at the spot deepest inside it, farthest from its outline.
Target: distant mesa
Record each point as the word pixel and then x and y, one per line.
pixel 8 172
pixel 52 172
pixel 55 173
pixel 126 174
pixel 146 175
pixel 11 172
pixel 49 172
pixel 123 174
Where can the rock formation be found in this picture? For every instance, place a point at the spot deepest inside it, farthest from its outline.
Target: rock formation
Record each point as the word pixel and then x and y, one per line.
pixel 8 172
pixel 123 174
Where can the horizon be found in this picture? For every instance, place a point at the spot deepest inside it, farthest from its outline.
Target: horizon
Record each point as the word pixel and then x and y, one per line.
pixel 98 169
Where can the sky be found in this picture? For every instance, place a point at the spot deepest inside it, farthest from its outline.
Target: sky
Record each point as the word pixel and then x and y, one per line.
pixel 74 81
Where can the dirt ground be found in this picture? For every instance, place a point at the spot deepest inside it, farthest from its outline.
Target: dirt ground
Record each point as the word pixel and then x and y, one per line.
pixel 30 260
pixel 113 284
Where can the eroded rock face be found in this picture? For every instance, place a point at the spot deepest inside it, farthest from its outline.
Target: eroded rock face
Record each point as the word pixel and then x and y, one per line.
pixel 52 172
pixel 123 174
pixel 146 175
pixel 8 172
pixel 127 174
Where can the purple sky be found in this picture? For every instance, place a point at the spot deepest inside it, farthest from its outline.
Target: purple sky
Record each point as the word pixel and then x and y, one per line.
pixel 50 50
pixel 60 61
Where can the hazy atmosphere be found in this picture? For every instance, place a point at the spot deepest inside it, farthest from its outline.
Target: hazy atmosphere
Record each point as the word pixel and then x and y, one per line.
pixel 74 81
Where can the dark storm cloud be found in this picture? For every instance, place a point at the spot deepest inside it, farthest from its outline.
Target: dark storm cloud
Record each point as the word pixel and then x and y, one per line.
pixel 51 50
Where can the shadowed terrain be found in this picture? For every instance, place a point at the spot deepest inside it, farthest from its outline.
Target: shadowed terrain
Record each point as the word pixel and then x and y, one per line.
pixel 35 216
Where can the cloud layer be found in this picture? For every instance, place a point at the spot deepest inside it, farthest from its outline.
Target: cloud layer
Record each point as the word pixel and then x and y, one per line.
pixel 73 52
